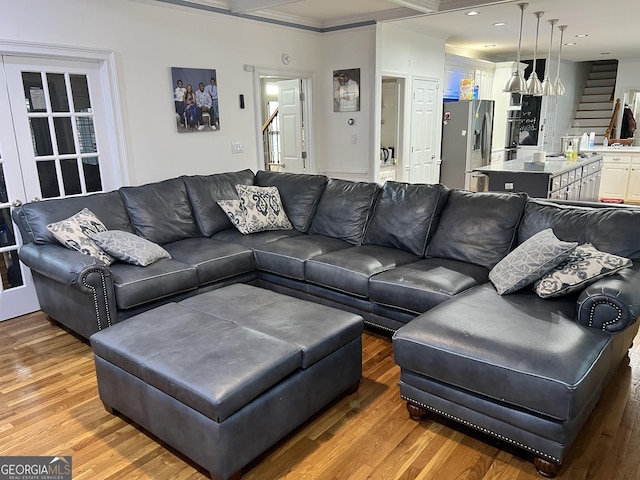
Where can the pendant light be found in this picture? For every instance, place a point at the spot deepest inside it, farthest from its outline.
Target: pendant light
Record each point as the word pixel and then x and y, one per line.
pixel 547 84
pixel 534 85
pixel 559 86
pixel 517 83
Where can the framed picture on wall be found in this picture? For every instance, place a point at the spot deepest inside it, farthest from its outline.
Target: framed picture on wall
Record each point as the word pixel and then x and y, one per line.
pixel 346 90
pixel 195 98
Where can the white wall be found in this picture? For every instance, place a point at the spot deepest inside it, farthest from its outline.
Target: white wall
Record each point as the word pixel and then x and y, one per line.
pixel 148 38
pixel 338 155
pixel 405 53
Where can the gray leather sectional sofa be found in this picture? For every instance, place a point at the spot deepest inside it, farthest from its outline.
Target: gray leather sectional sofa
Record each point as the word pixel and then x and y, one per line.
pixel 410 259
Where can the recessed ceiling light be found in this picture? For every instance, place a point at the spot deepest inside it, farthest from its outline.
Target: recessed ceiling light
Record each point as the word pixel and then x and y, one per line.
pixel 581 35
pixel 490 46
pixel 570 44
pixel 605 53
pixel 499 24
pixel 472 13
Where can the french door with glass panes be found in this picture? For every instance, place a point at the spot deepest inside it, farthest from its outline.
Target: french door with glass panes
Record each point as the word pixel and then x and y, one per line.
pixel 54 143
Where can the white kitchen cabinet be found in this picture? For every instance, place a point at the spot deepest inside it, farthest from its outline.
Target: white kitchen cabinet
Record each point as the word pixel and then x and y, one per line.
pixel 613 183
pixel 633 187
pixel 616 169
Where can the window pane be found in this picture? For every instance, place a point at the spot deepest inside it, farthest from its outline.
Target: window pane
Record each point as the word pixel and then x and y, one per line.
pixel 33 92
pixel 10 270
pixel 58 92
pixel 92 178
pixel 3 187
pixel 80 91
pixel 70 176
pixel 86 135
pixel 41 137
pixel 48 179
pixel 6 229
pixel 64 135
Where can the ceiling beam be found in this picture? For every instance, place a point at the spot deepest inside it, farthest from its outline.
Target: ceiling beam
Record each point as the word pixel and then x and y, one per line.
pixel 247 6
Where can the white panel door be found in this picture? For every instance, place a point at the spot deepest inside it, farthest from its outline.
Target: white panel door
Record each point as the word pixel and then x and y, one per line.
pixel 291 126
pixel 422 160
pixel 17 293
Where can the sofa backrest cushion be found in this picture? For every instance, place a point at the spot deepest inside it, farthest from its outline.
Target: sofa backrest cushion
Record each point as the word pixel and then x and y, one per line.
pixel 300 194
pixel 344 209
pixel 478 228
pixel 160 212
pixel 405 216
pixel 204 192
pixel 33 218
pixel 610 229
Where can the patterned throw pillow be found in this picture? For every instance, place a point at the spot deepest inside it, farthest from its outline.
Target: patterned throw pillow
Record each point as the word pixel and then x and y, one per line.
pixel 258 209
pixel 236 214
pixel 74 232
pixel 585 265
pixel 129 248
pixel 529 261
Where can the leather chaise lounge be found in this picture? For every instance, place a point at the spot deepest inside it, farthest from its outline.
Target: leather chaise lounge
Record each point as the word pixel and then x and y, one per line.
pixel 412 260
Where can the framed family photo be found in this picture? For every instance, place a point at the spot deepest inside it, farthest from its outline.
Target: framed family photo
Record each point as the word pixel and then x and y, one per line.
pixel 346 90
pixel 195 98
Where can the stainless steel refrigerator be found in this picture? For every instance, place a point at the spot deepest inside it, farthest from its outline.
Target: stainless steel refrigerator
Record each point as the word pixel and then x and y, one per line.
pixel 466 143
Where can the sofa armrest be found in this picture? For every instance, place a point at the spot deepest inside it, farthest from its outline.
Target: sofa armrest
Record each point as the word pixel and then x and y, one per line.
pixel 58 263
pixel 611 304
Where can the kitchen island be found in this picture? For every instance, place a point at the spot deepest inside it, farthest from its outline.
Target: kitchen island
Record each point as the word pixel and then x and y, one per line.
pixel 557 178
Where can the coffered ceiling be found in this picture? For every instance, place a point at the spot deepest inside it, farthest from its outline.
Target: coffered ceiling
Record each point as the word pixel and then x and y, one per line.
pixel 611 29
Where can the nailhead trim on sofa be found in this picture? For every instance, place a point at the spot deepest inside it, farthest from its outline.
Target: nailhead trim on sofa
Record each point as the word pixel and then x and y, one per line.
pixel 605 302
pixel 482 429
pixel 95 296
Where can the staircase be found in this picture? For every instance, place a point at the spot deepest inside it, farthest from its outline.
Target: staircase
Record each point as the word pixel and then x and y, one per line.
pixel 596 106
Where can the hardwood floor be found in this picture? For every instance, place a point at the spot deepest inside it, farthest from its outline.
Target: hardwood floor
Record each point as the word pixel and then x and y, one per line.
pixel 49 405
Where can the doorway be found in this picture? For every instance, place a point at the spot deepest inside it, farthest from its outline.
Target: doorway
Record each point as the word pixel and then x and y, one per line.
pixel 284 114
pixel 57 139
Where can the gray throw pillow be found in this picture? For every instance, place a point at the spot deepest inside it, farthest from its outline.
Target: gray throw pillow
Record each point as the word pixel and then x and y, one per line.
pixel 530 261
pixel 585 265
pixel 129 248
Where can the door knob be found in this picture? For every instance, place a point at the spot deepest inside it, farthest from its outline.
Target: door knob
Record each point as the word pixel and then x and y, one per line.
pixel 17 203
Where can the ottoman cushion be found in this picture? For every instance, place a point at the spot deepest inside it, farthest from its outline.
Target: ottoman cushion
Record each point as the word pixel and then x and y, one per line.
pixel 212 365
pixel 316 330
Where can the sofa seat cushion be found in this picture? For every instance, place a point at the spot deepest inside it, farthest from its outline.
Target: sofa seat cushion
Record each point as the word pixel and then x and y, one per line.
pixel 405 216
pixel 350 270
pixel 136 285
pixel 419 286
pixel 214 260
pixel 205 190
pixel 300 194
pixel 252 240
pixel 344 209
pixel 478 228
pixel 288 256
pixel 160 212
pixel 171 346
pixel 518 349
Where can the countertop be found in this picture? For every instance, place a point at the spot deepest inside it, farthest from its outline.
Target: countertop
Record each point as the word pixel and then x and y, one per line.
pixel 551 166
pixel 620 149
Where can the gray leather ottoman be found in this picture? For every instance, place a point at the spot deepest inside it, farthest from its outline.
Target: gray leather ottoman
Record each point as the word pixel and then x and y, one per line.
pixel 224 375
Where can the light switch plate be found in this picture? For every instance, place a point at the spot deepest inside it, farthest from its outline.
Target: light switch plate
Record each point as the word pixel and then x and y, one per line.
pixel 237 147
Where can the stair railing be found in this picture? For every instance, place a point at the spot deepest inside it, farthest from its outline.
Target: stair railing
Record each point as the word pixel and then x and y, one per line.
pixel 271 140
pixel 613 127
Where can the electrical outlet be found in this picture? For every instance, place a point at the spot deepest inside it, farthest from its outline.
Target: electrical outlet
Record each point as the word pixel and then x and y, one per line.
pixel 237 147
pixel 508 186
